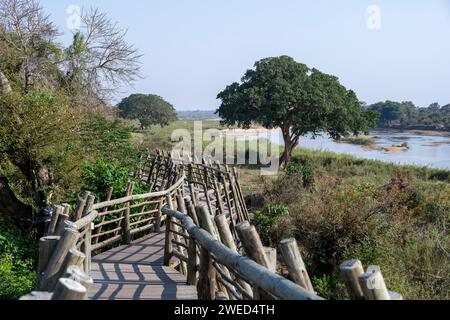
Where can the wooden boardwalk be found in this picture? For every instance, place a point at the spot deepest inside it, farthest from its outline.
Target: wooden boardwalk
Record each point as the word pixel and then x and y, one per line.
pixel 136 272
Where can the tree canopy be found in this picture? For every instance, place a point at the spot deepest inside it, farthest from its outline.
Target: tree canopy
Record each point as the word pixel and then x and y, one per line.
pixel 149 109
pixel 282 93
pixel 54 111
pixel 406 115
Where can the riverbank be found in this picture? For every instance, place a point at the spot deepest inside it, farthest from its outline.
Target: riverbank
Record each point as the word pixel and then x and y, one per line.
pixel 340 207
pixel 433 133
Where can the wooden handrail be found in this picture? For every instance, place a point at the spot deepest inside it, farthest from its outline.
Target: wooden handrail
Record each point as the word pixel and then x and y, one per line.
pixel 247 268
pixel 158 194
pixel 84 222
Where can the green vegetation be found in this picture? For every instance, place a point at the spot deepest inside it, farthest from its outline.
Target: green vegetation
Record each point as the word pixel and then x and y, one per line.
pixel 149 109
pixel 54 118
pixel 387 215
pixel 18 257
pixel 359 140
pixel 405 115
pixel 282 93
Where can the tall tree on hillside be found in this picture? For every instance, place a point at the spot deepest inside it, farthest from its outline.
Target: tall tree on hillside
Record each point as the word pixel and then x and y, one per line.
pixel 149 109
pixel 43 89
pixel 282 93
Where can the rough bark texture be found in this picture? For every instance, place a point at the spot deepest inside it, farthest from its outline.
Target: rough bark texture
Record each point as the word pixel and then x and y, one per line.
pixel 290 143
pixel 12 208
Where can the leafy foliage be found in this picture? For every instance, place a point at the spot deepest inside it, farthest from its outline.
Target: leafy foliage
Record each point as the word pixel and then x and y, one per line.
pixel 406 115
pixel 149 109
pixel 111 140
pixel 17 262
pixel 282 93
pixel 268 222
pixel 100 175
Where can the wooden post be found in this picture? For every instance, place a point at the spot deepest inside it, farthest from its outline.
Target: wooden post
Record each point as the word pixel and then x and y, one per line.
pixel 351 271
pixel 228 240
pixel 193 193
pixel 225 232
pixel 294 262
pixel 74 257
pixel 239 234
pixel 159 216
pixel 182 209
pixel 255 250
pixel 75 273
pixel 168 247
pixel 253 246
pixel 207 282
pixel 80 209
pixel 68 289
pixel 67 242
pixel 88 248
pixel 89 203
pixel 62 218
pixel 219 202
pixel 205 220
pixel 191 211
pixel 126 232
pixel 47 246
pixel 56 212
pixel 271 254
pixel 373 285
pixel 192 265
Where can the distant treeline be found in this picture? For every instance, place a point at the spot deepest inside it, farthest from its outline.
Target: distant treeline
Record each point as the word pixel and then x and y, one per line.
pixel 406 115
pixel 197 115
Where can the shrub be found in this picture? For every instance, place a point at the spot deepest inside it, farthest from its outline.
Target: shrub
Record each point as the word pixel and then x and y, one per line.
pixel 17 262
pixel 395 220
pixel 269 222
pixel 101 175
pixel 303 169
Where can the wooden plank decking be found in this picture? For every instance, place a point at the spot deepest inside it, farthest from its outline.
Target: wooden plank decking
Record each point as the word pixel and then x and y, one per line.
pixel 136 272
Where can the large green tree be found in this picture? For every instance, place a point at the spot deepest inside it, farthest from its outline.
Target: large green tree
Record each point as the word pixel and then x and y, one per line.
pixel 149 109
pixel 282 93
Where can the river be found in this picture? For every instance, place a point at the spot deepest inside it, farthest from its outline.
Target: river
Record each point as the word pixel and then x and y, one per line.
pixel 424 150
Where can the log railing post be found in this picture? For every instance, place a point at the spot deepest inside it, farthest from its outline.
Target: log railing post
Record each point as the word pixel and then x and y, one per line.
pixel 67 242
pixel 126 231
pixel 373 285
pixel 168 247
pixel 294 262
pixel 47 246
pixel 351 271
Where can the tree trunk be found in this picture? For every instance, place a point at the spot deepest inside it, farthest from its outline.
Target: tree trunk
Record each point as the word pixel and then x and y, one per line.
pixel 12 208
pixel 289 145
pixel 6 88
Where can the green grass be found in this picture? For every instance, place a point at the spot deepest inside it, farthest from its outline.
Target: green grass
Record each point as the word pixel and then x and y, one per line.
pixel 359 140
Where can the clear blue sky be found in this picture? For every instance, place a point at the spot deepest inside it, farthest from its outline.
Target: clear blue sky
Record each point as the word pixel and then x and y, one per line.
pixel 194 48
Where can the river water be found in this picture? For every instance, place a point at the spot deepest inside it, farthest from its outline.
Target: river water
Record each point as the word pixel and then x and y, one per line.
pixel 424 150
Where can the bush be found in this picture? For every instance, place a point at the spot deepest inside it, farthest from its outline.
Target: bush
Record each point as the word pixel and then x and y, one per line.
pixel 303 169
pixel 101 175
pixel 395 220
pixel 269 222
pixel 18 258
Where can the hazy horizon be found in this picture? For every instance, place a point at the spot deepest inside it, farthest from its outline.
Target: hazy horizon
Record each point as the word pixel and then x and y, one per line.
pixel 193 50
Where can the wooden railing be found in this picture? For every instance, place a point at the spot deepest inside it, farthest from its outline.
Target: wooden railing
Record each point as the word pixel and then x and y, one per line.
pixel 208 237
pixel 218 269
